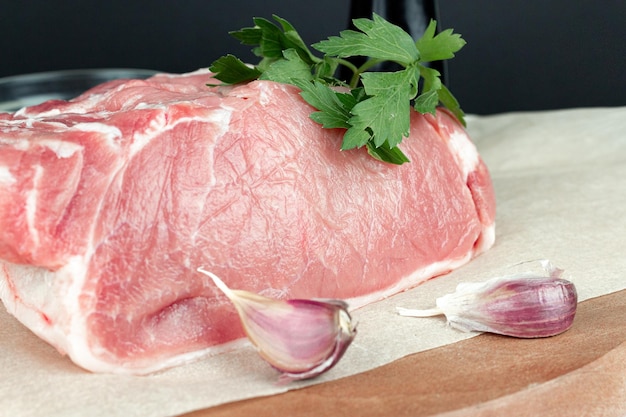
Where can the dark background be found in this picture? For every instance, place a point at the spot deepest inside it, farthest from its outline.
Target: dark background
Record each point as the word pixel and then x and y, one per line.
pixel 521 54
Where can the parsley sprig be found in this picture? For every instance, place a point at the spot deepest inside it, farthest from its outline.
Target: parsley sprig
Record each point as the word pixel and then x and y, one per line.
pixel 373 107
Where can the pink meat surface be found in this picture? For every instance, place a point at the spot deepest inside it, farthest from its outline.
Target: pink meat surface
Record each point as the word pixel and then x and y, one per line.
pixel 110 202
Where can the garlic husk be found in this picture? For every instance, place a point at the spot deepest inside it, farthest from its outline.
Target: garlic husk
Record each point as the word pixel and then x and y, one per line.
pixel 300 338
pixel 524 305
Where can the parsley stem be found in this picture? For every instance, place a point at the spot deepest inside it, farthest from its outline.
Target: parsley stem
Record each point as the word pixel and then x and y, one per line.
pixel 369 64
pixel 348 64
pixel 352 68
pixel 354 81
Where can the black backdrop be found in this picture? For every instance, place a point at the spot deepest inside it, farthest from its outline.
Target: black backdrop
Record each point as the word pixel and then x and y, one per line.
pixel 521 54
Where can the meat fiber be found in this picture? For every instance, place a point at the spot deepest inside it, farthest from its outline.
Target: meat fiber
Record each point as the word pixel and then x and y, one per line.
pixel 109 203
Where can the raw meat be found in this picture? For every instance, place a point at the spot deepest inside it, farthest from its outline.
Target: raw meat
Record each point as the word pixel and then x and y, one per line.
pixel 109 203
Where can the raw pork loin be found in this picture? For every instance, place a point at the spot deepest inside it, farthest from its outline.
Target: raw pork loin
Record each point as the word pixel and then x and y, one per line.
pixel 109 203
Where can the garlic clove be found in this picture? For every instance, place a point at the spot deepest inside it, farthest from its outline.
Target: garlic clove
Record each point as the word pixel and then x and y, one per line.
pixel 300 338
pixel 524 305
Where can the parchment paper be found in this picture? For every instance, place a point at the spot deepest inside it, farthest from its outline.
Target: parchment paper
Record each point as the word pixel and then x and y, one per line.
pixel 560 179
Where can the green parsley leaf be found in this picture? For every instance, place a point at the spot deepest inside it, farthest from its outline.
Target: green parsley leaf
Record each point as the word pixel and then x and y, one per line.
pixel 333 106
pixel 231 70
pixel 439 47
pixel 355 138
pixel 427 102
pixel 376 108
pixel 385 153
pixel 385 114
pixel 379 40
pixel 326 68
pixel 273 41
pixel 248 36
pixel 288 69
pixel 429 99
pixel 451 103
pixel 292 36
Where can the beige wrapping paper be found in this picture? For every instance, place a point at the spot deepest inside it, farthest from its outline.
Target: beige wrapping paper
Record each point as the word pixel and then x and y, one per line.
pixel 560 179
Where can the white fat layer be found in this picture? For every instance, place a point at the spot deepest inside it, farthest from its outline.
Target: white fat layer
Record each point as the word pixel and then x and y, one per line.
pixel 487 239
pixel 111 133
pixel 62 149
pixel 31 205
pixel 76 340
pixel 140 140
pixel 19 124
pixel 265 93
pixel 6 177
pixel 48 303
pixel 464 151
pixel 25 296
pixel 17 144
pixel 25 111
pixel 143 105
pixel 221 118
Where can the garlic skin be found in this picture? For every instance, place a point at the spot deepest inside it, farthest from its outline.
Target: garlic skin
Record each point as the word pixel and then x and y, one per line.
pixel 300 338
pixel 524 305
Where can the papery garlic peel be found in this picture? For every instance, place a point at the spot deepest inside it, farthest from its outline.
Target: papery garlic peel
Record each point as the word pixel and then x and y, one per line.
pixel 524 305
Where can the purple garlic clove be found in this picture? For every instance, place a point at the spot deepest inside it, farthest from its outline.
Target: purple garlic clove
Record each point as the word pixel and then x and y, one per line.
pixel 300 338
pixel 525 306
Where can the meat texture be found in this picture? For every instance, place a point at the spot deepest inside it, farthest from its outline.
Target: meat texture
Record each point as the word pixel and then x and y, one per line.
pixel 111 201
